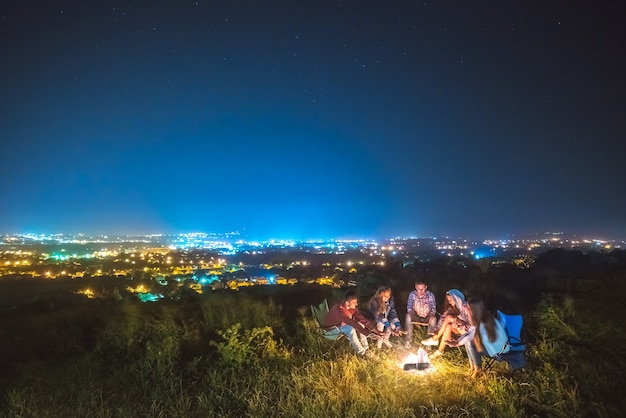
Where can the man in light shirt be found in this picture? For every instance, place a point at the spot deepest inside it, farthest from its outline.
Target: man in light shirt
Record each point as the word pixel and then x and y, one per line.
pixel 421 307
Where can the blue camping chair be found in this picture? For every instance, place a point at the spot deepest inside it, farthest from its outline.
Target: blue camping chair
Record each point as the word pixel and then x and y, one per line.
pixel 515 356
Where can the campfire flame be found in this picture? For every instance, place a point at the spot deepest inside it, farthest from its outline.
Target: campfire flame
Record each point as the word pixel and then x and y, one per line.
pixel 417 361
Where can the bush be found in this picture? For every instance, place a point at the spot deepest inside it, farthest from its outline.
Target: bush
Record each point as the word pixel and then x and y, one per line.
pixel 249 346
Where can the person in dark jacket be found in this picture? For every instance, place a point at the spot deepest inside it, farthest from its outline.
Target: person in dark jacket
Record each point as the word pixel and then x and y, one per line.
pixel 346 318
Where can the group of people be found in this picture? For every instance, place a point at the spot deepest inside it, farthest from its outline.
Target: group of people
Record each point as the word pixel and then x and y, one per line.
pixel 463 323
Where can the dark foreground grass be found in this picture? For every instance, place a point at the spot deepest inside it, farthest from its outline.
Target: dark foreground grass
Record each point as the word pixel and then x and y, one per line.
pixel 234 355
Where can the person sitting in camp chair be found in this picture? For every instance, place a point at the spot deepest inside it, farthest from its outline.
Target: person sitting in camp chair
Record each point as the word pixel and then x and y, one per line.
pixel 421 308
pixel 347 319
pixel 452 322
pixel 486 336
pixel 383 309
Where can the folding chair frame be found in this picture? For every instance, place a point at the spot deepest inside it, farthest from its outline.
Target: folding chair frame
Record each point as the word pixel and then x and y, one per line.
pixel 319 312
pixel 515 356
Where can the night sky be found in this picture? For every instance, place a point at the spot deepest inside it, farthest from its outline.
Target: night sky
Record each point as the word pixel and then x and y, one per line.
pixel 313 119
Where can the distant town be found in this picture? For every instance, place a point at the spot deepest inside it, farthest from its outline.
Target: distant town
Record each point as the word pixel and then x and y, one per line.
pixel 200 262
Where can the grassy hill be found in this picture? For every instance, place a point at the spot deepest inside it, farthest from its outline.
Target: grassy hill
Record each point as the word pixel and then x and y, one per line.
pixel 257 353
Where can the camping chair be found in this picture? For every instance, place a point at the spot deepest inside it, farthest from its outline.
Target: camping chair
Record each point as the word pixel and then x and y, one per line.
pixel 319 313
pixel 515 357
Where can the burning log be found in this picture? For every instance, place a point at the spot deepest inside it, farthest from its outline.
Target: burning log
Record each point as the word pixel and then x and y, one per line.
pixel 417 361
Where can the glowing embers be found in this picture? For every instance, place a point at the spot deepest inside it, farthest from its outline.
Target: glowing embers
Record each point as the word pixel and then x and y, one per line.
pixel 417 362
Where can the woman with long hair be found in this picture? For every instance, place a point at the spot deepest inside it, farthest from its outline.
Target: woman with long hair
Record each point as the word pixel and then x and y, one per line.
pixel 383 309
pixel 487 336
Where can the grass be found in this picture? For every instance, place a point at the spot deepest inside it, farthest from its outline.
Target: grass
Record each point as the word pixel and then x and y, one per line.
pixel 236 355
